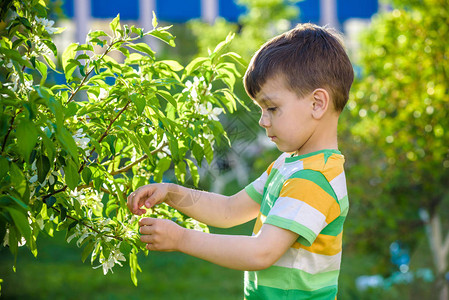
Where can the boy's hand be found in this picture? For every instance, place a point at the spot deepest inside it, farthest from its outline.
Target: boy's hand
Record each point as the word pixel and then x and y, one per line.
pixel 161 234
pixel 148 195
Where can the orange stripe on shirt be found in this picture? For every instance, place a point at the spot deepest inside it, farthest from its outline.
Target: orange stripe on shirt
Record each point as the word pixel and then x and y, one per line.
pixel 334 167
pixel 313 195
pixel 259 222
pixel 324 244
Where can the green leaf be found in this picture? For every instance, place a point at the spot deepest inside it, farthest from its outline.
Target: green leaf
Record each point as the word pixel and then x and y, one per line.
pixel 198 152
pixel 167 96
pixel 71 174
pixel 54 105
pixel 13 244
pixel 208 152
pixel 230 100
pixel 18 181
pixel 67 57
pixel 154 21
pixel 4 167
pixel 42 68
pixel 180 171
pixel 139 102
pixel 236 58
pixel 162 166
pixel 50 201
pixel 68 143
pixel 172 64
pixel 115 23
pixel 50 63
pixel 193 172
pixel 19 202
pixel 111 208
pixel 43 167
pixel 142 47
pixel 51 46
pixel 15 56
pixel 195 64
pixel 49 146
pixel 21 222
pixel 62 212
pixel 26 134
pixel 134 266
pixel 86 174
pixel 163 35
pixel 87 250
pixel 97 33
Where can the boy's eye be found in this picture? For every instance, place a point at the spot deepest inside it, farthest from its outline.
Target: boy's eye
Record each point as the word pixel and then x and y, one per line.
pixel 272 109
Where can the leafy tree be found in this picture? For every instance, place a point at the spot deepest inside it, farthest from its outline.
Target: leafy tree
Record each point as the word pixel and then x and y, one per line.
pixel 401 105
pixel 72 152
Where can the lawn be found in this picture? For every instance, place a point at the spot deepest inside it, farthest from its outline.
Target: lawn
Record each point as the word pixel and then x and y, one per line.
pixel 58 273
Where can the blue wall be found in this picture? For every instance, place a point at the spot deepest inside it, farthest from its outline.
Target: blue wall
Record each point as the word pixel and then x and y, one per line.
pixel 183 10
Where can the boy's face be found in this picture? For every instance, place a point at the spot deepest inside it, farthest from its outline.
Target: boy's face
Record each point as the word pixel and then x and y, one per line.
pixel 286 117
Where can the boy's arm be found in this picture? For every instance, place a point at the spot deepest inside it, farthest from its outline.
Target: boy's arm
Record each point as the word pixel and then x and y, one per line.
pixel 237 252
pixel 209 208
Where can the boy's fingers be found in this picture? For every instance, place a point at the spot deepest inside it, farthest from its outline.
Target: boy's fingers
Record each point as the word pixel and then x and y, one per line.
pixel 146 222
pixel 138 198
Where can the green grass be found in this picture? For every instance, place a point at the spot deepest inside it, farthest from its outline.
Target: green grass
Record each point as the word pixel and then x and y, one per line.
pixel 58 273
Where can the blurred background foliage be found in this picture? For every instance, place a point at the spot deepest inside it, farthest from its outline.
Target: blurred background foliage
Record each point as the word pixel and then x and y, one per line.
pixel 394 134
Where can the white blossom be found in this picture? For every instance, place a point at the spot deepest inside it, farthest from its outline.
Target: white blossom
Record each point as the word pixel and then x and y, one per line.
pixel 9 65
pixel 192 89
pixel 103 94
pixel 48 24
pixel 211 112
pixel 81 140
pixel 21 243
pixel 114 258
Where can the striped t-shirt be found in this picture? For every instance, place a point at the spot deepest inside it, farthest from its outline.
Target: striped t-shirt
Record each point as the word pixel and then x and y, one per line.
pixel 307 195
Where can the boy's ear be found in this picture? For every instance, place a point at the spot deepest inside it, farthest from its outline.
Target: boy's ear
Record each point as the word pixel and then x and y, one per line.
pixel 320 103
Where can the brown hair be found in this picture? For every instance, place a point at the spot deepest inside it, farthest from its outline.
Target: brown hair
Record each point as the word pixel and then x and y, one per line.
pixel 308 57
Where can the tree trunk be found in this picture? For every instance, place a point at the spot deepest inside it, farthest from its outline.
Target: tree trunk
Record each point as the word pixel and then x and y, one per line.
pixel 439 249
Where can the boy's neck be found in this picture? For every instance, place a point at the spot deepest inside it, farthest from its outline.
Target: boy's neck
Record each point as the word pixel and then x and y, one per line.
pixel 324 137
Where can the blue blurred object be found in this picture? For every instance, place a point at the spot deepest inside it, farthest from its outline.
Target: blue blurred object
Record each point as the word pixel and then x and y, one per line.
pixel 399 256
pixel 364 282
pixel 355 9
pixel 105 9
pixel 183 10
pixel 230 10
pixel 177 10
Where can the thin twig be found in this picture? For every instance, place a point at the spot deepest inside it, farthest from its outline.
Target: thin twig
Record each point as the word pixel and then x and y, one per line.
pixel 10 128
pixel 88 226
pixel 105 133
pixel 89 72
pixel 142 158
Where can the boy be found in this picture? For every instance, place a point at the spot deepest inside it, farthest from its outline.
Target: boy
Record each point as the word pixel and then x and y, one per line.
pixel 301 81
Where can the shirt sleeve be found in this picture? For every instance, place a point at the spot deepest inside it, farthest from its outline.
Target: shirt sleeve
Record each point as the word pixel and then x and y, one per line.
pixel 306 204
pixel 255 189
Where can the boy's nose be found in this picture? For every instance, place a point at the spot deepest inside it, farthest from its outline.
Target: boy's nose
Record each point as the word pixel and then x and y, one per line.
pixel 264 121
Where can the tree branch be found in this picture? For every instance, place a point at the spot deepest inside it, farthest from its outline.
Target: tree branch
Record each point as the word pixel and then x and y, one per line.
pixel 89 72
pixel 90 227
pixel 105 133
pixel 139 160
pixel 10 128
